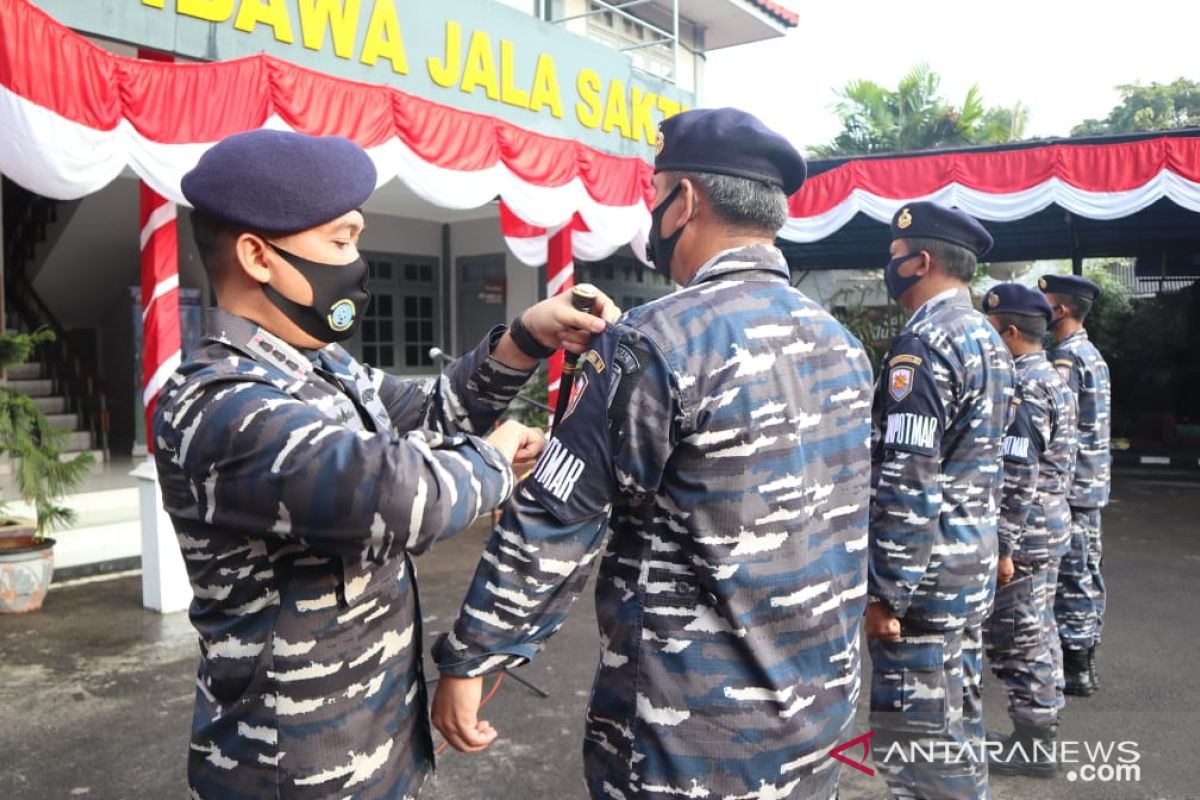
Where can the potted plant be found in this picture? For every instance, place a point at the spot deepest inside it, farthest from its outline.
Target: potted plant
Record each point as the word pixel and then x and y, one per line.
pixel 41 477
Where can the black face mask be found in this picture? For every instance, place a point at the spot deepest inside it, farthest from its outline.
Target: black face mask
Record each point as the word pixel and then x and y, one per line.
pixel 661 249
pixel 340 297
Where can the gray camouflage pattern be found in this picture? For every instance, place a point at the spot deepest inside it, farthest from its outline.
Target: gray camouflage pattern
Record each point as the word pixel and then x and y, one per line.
pixel 1021 636
pixel 726 427
pixel 940 414
pixel 1035 520
pixel 1082 597
pixel 299 489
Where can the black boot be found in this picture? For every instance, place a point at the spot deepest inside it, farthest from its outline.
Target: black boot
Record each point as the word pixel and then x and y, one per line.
pixel 1029 751
pixel 1076 672
pixel 1095 676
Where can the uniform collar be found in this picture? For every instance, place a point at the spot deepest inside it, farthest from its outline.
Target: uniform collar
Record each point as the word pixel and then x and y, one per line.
pixel 261 345
pixel 1035 357
pixel 1080 334
pixel 760 257
pixel 955 297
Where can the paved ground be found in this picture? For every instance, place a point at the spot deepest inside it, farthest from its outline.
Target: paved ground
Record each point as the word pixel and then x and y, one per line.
pixel 95 693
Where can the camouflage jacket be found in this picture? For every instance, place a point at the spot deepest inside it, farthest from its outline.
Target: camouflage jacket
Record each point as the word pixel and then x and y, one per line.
pixel 1039 459
pixel 1085 371
pixel 942 406
pixel 721 432
pixel 299 490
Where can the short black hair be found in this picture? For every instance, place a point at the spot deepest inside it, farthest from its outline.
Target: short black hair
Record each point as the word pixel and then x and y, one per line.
pixel 1078 307
pixel 957 261
pixel 742 203
pixel 215 238
pixel 1032 329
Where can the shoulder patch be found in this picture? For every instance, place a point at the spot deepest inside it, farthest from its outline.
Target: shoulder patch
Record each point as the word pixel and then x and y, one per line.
pixel 900 382
pixel 905 358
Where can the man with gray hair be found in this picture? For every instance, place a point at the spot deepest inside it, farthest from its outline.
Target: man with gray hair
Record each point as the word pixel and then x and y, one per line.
pixel 721 434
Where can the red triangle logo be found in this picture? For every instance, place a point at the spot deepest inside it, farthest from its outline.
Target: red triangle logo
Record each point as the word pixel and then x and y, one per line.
pixel 861 766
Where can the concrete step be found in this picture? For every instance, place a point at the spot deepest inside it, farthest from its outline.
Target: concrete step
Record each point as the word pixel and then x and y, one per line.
pixel 6 470
pixel 52 404
pixel 41 387
pixel 64 421
pixel 76 441
pixel 106 528
pixel 24 372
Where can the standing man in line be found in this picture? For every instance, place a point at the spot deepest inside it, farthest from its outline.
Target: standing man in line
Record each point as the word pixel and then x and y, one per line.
pixel 1021 635
pixel 942 405
pixel 722 432
pixel 1081 595
pixel 300 482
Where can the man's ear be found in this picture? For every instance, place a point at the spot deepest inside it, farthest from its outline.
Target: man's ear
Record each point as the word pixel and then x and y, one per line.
pixel 250 256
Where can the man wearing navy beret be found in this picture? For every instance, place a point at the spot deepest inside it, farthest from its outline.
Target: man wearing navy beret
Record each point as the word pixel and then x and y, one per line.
pixel 718 435
pixel 301 482
pixel 942 406
pixel 1081 594
pixel 1021 636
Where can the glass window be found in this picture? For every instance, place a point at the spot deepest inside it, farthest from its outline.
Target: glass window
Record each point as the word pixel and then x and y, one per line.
pixel 400 324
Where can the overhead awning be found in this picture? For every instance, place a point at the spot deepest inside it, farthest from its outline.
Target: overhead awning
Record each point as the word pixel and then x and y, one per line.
pixel 73 116
pixel 1099 196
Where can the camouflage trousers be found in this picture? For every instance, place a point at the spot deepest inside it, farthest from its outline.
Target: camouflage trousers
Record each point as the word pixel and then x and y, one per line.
pixel 1079 604
pixel 927 714
pixel 1017 639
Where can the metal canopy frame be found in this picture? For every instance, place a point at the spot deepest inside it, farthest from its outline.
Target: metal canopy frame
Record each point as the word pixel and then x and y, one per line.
pixel 664 38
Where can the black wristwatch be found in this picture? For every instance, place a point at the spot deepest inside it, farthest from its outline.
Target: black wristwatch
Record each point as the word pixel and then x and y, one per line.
pixel 525 342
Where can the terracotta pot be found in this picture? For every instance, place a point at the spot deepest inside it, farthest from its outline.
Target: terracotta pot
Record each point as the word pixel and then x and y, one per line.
pixel 26 567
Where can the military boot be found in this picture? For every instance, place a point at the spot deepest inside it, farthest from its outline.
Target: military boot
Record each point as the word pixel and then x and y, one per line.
pixel 1077 673
pixel 1029 751
pixel 1092 672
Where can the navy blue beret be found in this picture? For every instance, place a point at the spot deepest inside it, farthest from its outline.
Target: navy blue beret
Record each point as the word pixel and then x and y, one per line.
pixel 280 181
pixel 726 141
pixel 924 220
pixel 1069 284
pixel 1013 298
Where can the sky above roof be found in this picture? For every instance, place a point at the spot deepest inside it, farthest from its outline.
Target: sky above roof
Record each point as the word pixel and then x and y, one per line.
pixel 1060 58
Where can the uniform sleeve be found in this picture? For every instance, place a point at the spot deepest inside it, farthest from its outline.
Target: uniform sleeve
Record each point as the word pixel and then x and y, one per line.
pixel 1023 446
pixel 615 437
pixel 916 395
pixel 468 397
pixel 260 461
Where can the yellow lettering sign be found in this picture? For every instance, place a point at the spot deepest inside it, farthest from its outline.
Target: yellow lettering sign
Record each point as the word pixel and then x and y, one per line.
pixel 480 67
pixel 340 17
pixel 644 129
pixel 545 87
pixel 616 112
pixel 208 10
pixel 587 110
pixel 274 14
pixel 383 39
pixel 153 3
pixel 509 91
pixel 445 72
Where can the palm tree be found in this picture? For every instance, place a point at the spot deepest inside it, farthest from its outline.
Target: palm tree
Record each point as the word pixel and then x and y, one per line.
pixel 914 117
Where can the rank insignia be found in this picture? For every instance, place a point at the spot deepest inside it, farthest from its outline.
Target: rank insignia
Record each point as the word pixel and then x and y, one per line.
pixel 904 220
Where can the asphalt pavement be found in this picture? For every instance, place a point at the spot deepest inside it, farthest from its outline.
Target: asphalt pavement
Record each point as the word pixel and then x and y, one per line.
pixel 96 693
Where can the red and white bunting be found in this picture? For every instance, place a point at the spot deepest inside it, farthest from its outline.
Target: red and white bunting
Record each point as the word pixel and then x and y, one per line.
pixel 560 277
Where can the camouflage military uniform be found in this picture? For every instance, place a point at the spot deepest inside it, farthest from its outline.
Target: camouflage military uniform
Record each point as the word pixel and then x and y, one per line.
pixel 722 433
pixel 941 409
pixel 299 489
pixel 1081 596
pixel 1035 527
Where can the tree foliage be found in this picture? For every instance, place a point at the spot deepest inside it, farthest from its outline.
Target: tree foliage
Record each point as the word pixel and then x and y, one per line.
pixel 914 116
pixel 1156 107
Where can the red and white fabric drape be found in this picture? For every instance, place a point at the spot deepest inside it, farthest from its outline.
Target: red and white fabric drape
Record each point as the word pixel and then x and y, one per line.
pixel 1105 180
pixel 73 116
pixel 161 336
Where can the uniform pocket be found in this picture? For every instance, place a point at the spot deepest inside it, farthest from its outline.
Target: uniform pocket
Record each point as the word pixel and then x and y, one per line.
pixel 908 686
